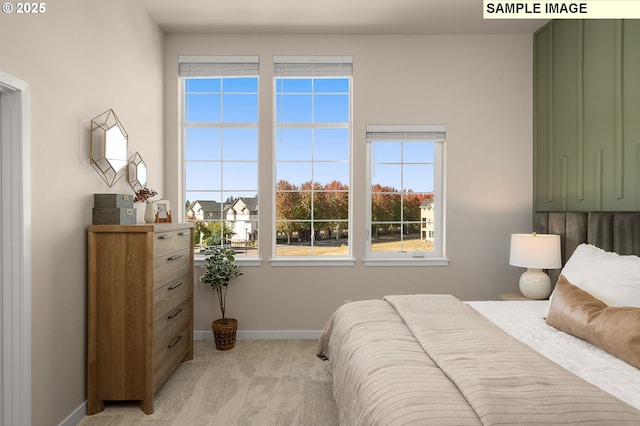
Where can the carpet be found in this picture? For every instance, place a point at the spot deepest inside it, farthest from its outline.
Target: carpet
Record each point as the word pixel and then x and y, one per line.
pixel 259 382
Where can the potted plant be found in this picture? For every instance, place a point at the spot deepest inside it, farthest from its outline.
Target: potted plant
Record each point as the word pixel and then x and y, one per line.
pixel 220 269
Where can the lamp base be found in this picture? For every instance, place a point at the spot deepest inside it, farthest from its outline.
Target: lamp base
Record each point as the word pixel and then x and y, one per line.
pixel 535 284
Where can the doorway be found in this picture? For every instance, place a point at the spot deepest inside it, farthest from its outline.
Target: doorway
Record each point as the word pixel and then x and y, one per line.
pixel 15 251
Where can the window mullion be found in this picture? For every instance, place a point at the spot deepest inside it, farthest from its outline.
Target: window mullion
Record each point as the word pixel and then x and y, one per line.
pixel 402 192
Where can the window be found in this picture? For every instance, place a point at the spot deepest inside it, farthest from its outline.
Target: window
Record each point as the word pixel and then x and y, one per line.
pixel 312 124
pixel 406 198
pixel 220 142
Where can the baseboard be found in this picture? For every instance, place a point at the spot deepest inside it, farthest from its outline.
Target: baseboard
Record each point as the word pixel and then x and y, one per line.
pixel 265 335
pixel 76 416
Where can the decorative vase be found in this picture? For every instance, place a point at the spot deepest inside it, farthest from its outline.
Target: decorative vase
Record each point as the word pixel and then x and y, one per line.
pixel 149 215
pixel 224 333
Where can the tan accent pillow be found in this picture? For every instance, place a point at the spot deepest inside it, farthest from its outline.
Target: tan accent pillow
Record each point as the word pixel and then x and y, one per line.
pixel 616 330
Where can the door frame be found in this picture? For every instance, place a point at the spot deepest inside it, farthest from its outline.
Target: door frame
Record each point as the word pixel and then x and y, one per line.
pixel 15 253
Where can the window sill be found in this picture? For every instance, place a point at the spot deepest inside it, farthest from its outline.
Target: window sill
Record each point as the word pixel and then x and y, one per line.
pixel 303 261
pixel 406 262
pixel 198 261
pixel 298 261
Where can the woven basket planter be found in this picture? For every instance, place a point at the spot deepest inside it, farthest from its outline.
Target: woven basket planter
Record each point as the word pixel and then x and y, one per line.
pixel 224 333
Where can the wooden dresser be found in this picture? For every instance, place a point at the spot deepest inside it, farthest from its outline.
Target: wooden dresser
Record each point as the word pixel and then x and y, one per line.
pixel 140 310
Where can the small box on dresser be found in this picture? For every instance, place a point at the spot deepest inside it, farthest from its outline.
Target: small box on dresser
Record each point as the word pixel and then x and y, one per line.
pixel 114 216
pixel 113 201
pixel 140 310
pixel 113 209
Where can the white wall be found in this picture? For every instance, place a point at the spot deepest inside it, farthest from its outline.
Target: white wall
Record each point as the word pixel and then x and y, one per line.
pixel 81 58
pixel 478 86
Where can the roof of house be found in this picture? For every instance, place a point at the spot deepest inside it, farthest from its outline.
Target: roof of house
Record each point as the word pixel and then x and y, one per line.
pixel 250 202
pixel 214 206
pixel 210 206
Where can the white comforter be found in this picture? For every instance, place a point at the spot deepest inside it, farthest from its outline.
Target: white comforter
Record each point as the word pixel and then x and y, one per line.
pixel 524 320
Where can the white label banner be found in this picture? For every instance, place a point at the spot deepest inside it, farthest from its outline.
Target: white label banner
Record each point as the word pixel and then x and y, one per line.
pixel 562 9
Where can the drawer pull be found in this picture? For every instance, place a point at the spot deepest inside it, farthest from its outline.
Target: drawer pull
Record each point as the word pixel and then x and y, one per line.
pixel 175 256
pixel 165 237
pixel 176 285
pixel 174 313
pixel 183 233
pixel 174 341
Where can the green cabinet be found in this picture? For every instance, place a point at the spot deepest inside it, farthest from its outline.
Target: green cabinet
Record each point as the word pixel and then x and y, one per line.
pixel 586 94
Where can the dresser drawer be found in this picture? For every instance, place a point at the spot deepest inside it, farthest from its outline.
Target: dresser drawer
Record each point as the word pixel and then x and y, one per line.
pixel 170 241
pixel 183 239
pixel 171 258
pixel 169 354
pixel 166 298
pixel 169 325
pixel 170 267
pixel 163 243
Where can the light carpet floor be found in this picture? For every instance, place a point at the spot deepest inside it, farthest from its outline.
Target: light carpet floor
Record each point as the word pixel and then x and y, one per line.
pixel 259 382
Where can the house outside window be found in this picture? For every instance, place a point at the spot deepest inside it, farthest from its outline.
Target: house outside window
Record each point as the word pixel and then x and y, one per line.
pixel 427 218
pixel 220 145
pixel 312 125
pixel 405 176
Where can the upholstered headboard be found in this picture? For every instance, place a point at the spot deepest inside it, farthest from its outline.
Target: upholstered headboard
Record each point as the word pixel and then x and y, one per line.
pixel 611 231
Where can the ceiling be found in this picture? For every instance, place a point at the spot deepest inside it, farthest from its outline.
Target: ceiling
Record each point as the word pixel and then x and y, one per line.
pixel 331 17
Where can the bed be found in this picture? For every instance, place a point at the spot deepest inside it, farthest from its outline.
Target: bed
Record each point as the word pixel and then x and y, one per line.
pixel 433 359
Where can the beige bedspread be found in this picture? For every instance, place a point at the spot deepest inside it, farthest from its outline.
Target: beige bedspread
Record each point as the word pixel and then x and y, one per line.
pixel 431 359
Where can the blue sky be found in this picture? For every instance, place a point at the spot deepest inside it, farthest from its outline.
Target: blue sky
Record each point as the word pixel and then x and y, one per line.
pixel 227 103
pixel 416 172
pixel 324 102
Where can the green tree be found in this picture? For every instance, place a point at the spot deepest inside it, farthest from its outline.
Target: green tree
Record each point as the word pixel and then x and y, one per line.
pixel 212 233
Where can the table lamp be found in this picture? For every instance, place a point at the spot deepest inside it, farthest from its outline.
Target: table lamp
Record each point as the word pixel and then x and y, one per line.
pixel 535 252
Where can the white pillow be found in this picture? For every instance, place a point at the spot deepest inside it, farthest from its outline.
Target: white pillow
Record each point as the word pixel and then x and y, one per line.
pixel 608 276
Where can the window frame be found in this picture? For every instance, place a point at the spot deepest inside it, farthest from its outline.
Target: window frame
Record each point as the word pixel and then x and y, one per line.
pixel 220 67
pixel 307 67
pixel 437 257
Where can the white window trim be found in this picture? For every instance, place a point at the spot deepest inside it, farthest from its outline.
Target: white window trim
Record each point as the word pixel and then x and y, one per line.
pixel 313 260
pixel 321 59
pixel 198 261
pixel 212 66
pixel 432 261
pixel 419 258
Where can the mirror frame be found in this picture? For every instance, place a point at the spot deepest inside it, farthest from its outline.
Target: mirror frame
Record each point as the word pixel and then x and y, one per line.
pixel 133 172
pixel 101 154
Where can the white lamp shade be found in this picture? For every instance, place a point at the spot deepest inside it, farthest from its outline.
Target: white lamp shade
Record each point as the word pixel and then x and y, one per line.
pixel 536 251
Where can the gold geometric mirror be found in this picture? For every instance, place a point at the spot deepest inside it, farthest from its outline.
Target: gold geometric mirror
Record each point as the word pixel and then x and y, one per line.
pixel 137 172
pixel 108 147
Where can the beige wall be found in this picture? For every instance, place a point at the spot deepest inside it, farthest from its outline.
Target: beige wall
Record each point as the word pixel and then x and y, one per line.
pixel 479 86
pixel 81 58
